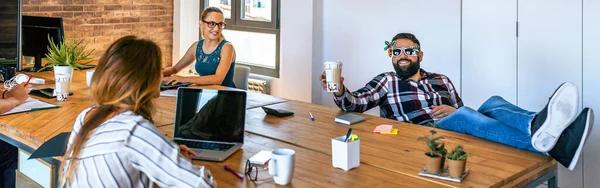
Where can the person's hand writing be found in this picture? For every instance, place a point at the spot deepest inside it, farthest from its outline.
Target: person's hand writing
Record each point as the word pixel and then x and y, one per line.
pixel 442 111
pixel 186 152
pixel 19 92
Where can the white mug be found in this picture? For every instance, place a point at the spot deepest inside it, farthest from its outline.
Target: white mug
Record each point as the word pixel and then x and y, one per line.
pixel 281 166
pixel 88 77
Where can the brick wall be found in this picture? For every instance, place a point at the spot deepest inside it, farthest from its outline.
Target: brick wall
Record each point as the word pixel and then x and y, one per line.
pixel 101 22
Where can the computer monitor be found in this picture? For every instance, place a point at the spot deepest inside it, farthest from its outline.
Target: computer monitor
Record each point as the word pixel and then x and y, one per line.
pixel 35 31
pixel 10 25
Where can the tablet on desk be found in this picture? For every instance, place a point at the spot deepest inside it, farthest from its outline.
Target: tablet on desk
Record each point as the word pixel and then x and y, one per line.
pixel 46 93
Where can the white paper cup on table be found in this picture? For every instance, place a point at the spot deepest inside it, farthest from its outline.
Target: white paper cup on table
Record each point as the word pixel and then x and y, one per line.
pixel 62 77
pixel 88 77
pixel 333 73
pixel 281 166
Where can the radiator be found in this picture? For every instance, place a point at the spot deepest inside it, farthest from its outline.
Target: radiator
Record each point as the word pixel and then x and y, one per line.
pixel 258 86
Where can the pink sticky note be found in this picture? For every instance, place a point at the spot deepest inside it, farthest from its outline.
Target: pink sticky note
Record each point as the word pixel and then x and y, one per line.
pixel 383 128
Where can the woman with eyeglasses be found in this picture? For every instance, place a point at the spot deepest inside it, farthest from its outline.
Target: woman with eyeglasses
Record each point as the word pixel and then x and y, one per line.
pixel 215 56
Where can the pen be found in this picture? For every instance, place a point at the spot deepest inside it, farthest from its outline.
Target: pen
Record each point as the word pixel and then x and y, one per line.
pixel 348 134
pixel 28 80
pixel 44 108
pixel 311 116
pixel 234 172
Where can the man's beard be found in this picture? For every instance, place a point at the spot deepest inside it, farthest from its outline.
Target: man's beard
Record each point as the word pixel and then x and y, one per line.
pixel 411 70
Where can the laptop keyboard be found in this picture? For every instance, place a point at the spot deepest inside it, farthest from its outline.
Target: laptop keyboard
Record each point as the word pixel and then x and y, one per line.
pixel 205 145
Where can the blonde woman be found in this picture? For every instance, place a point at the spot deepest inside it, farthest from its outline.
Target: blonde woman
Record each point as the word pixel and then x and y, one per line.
pixel 214 56
pixel 115 143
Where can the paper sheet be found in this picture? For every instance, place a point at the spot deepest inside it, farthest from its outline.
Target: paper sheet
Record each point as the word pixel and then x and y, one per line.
pixel 394 132
pixel 383 128
pixel 28 105
pixel 169 93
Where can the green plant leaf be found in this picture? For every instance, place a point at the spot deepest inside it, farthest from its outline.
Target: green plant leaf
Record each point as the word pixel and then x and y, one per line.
pixel 67 53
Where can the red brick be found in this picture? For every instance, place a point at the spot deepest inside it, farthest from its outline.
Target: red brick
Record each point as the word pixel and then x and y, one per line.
pixel 130 7
pixel 50 8
pixel 130 19
pixel 103 14
pixel 148 19
pixel 93 20
pixel 72 8
pixel 148 7
pixel 26 8
pixel 83 14
pixel 103 27
pixel 63 14
pixel 83 2
pixel 112 20
pixel 37 14
pixel 113 7
pixel 93 8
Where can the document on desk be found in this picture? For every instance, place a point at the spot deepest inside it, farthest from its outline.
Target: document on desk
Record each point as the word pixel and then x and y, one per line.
pixel 169 93
pixel 30 104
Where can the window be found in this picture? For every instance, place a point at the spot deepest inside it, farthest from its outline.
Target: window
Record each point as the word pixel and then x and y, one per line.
pixel 253 28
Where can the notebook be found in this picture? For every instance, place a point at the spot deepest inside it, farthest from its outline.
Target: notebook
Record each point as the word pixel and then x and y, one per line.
pixel 349 119
pixel 30 104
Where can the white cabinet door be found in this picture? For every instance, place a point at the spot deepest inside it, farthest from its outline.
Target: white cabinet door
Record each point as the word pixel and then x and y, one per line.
pixel 591 91
pixel 489 50
pixel 550 53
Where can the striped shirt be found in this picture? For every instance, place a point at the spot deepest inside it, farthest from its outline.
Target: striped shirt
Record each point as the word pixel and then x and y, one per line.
pixel 128 151
pixel 402 99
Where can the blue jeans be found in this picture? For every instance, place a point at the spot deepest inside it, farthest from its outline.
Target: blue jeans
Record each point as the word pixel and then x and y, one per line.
pixel 496 120
pixel 8 164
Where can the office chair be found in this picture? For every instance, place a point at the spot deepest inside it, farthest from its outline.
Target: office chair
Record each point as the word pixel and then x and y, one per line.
pixel 240 76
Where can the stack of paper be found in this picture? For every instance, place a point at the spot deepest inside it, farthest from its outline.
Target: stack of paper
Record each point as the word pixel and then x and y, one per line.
pixel 385 129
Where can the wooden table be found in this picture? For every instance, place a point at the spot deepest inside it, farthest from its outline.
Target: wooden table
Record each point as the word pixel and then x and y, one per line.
pixel 491 165
pixel 386 160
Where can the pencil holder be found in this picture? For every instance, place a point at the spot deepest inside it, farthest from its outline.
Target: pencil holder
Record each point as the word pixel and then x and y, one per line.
pixel 345 155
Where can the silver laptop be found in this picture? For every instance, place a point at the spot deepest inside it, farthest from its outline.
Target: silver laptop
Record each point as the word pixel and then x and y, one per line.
pixel 210 122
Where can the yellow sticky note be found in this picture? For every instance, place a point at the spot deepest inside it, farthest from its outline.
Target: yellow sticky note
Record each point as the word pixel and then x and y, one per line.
pixel 394 132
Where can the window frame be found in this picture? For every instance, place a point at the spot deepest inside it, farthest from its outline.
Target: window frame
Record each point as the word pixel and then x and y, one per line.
pixel 236 23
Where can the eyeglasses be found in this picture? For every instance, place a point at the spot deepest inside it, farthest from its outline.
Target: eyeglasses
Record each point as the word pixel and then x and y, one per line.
pixel 251 171
pixel 212 24
pixel 410 51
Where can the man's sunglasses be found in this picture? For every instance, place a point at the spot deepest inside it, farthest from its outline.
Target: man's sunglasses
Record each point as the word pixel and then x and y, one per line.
pixel 410 51
pixel 212 24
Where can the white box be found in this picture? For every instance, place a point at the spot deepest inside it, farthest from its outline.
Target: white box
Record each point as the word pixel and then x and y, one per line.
pixel 345 155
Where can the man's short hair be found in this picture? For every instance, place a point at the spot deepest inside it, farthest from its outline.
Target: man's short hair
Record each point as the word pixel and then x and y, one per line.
pixel 408 36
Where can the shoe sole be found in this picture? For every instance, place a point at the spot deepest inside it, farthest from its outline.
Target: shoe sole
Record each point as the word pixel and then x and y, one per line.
pixel 588 128
pixel 562 110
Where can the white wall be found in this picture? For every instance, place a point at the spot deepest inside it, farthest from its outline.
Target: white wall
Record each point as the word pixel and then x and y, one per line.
pixel 185 26
pixel 354 33
pixel 296 51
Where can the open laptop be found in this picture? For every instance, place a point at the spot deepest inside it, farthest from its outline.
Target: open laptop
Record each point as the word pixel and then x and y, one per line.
pixel 210 122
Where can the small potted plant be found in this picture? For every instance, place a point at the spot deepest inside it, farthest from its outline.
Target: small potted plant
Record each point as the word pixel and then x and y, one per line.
pixel 457 161
pixel 435 155
pixel 68 55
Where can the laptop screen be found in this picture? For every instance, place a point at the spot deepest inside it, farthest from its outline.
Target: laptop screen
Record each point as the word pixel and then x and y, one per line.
pixel 215 115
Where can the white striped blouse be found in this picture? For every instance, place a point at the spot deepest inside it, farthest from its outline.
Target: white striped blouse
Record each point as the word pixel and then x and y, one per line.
pixel 128 151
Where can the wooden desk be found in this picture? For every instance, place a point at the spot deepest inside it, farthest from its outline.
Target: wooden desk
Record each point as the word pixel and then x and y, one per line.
pixel 312 169
pixel 492 164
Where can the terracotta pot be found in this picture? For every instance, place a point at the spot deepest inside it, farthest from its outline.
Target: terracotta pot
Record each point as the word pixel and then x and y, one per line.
pixel 456 168
pixel 434 164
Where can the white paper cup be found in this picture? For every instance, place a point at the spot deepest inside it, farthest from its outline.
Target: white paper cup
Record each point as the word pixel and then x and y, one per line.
pixel 333 73
pixel 62 77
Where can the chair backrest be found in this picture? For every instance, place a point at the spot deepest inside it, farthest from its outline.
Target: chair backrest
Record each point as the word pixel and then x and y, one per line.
pixel 240 76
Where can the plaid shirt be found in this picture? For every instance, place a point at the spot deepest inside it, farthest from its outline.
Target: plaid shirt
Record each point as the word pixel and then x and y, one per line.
pixel 402 99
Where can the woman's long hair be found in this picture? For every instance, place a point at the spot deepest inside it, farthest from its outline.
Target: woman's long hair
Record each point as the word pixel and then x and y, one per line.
pixel 127 77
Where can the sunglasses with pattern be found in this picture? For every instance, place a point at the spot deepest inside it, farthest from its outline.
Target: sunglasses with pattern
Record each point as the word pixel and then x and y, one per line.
pixel 410 51
pixel 212 24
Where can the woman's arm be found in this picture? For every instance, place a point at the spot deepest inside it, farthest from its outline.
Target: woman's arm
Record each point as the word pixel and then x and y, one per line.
pixel 187 59
pixel 227 57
